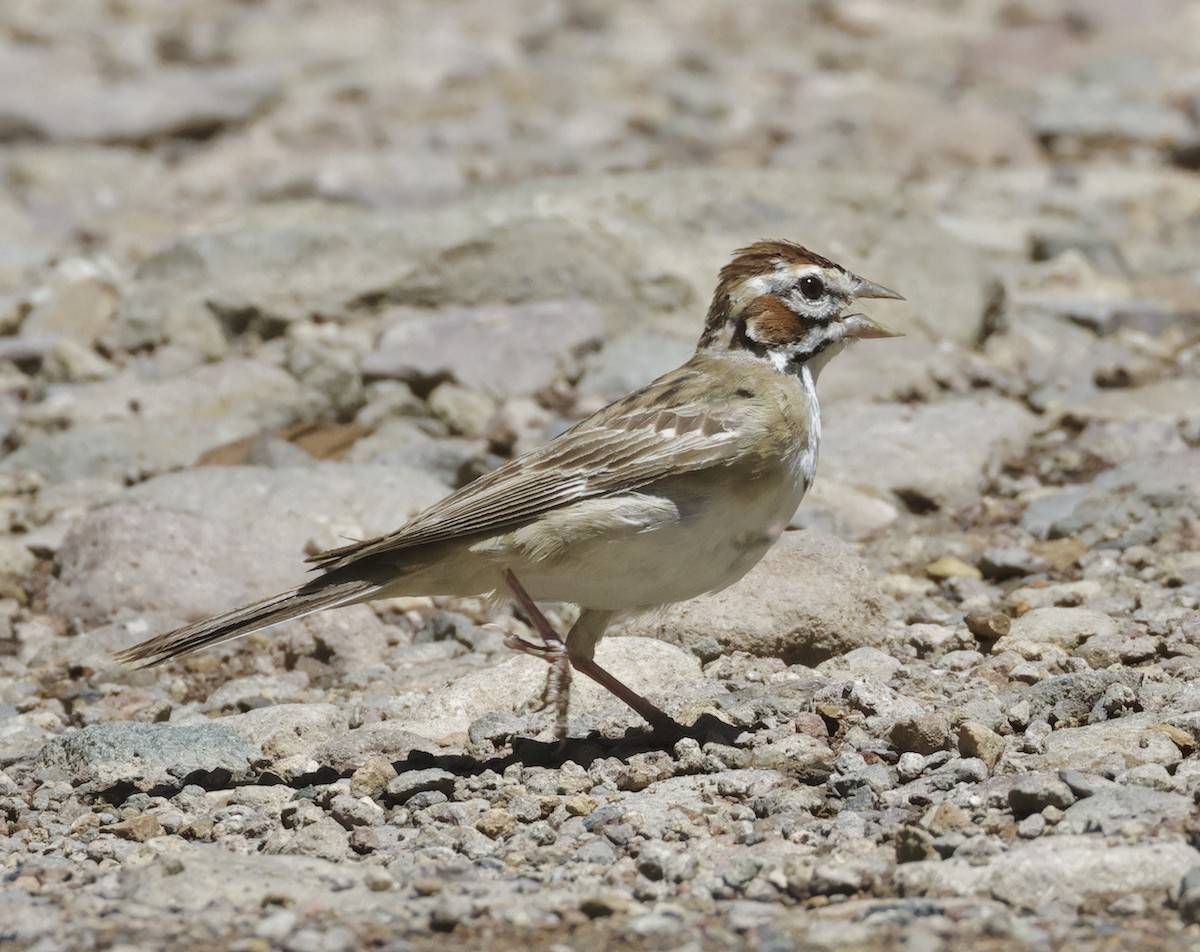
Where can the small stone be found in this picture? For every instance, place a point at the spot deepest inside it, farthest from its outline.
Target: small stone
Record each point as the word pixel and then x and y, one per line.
pixel 138 828
pixel 979 740
pixel 365 839
pixel 652 861
pixel 466 412
pixel 378 880
pixel 1032 826
pixel 1035 792
pixel 449 912
pixel 602 905
pixel 372 778
pixel 409 784
pixel 988 626
pixel 951 566
pixel 496 823
pixel 909 766
pixel 947 818
pixel 580 804
pixel 921 733
pixel 913 845
pixel 739 872
pixel 1189 896
pixel 1007 562
pixel 351 811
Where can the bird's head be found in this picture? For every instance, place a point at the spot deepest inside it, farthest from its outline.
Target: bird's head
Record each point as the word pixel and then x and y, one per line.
pixel 781 302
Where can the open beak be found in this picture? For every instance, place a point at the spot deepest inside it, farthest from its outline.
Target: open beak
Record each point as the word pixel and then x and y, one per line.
pixel 868 289
pixel 861 327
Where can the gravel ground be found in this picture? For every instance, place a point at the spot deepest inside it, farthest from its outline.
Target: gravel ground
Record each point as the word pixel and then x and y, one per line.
pixel 277 273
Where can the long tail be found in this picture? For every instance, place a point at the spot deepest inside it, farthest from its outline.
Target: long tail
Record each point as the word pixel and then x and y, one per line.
pixel 306 600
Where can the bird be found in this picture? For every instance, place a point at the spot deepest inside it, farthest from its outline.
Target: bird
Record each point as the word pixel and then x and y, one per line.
pixel 676 490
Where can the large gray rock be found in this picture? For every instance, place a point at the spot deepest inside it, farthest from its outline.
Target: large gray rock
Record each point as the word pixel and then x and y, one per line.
pixel 352 749
pixel 1133 503
pixel 283 508
pixel 501 349
pixel 1115 810
pixel 136 558
pixel 930 455
pixel 614 240
pixel 655 670
pixel 810 598
pixel 1057 871
pixel 140 423
pixel 144 754
pixel 128 449
pixel 233 387
pixel 41 100
pixel 289 734
pixel 1054 629
pixel 631 361
pixel 214 874
pixel 1121 743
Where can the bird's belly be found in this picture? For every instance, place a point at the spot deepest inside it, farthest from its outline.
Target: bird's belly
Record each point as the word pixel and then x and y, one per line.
pixel 707 538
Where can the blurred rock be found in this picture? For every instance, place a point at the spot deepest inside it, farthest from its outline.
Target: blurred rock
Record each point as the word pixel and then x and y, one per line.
pixel 282 509
pixel 651 668
pixel 145 754
pixel 182 103
pixel 1059 871
pixel 630 361
pixel 501 349
pixel 932 456
pixel 289 734
pixel 810 598
pixel 134 558
pixel 1063 628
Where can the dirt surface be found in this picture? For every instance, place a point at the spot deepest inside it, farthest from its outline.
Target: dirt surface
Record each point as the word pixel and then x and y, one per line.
pixel 277 273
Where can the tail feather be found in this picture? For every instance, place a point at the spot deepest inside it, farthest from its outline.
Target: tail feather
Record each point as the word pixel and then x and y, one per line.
pixel 247 619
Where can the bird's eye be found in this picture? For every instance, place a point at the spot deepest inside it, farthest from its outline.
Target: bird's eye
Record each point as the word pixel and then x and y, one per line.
pixel 812 287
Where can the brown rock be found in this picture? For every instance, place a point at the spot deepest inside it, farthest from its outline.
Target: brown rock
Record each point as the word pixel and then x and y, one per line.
pixel 138 828
pixel 922 733
pixel 987 625
pixel 951 566
pixel 979 740
pixel 496 823
pixel 371 778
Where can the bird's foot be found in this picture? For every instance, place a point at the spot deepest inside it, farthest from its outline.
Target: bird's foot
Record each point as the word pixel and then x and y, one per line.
pixel 558 681
pixel 556 695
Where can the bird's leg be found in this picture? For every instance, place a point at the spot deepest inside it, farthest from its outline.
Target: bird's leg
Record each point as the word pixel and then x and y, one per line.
pixel 585 634
pixel 577 653
pixel 557 693
pixel 658 719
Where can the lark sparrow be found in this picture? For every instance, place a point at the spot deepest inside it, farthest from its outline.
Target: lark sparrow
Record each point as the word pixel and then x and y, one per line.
pixel 672 491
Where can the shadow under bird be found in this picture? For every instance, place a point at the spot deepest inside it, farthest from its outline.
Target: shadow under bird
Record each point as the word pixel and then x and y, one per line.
pixel 673 491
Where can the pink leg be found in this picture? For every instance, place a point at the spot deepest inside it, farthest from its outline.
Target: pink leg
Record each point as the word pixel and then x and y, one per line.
pixel 552 650
pixel 561 660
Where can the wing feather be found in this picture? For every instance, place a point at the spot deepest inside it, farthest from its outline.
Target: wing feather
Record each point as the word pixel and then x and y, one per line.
pixel 611 452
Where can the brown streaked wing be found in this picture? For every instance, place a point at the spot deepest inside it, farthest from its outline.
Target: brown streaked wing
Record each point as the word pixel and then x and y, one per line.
pixel 604 454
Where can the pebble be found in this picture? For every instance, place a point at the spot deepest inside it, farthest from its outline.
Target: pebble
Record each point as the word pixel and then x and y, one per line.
pixel 1034 792
pixel 251 308
pixel 412 783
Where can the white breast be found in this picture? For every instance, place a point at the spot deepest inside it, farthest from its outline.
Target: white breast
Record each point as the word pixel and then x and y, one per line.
pixel 667 543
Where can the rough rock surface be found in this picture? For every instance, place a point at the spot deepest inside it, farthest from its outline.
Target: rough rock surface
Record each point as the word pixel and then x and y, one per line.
pixel 810 598
pixel 277 275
